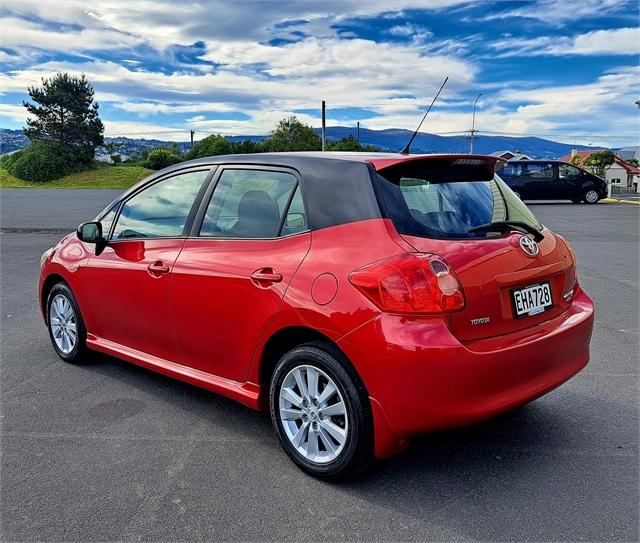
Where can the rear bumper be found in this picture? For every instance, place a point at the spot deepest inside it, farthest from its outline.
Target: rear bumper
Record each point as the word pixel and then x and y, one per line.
pixel 420 377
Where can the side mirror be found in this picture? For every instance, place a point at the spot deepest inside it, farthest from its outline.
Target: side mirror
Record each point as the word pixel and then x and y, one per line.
pixel 91 232
pixel 296 220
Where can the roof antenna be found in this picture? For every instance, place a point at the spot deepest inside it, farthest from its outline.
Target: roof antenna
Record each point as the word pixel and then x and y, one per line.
pixel 407 147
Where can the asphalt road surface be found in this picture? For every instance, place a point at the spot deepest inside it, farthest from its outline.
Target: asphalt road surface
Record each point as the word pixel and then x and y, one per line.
pixel 112 452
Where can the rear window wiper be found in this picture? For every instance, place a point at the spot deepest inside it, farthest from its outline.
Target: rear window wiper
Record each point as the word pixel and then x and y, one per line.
pixel 508 226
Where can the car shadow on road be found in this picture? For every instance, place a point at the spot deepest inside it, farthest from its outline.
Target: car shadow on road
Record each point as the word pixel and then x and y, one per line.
pixel 518 473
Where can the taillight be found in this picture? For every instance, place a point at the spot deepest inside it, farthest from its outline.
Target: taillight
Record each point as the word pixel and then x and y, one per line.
pixel 410 283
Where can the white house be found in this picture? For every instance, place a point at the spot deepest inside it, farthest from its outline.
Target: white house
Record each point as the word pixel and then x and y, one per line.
pixel 623 176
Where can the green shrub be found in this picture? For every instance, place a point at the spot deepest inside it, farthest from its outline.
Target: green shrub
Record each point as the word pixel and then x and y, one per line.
pixel 45 160
pixel 7 160
pixel 161 157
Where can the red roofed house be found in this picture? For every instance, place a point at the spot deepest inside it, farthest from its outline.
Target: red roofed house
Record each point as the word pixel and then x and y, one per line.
pixel 621 176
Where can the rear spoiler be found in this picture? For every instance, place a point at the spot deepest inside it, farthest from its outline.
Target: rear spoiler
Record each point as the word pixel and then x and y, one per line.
pixel 490 162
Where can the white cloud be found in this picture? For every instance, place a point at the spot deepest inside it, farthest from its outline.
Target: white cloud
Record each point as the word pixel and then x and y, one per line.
pixel 21 34
pixel 295 76
pixel 13 112
pixel 161 23
pixel 417 33
pixel 616 41
pixel 559 12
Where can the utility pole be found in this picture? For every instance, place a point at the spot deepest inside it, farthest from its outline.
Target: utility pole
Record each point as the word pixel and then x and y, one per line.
pixel 192 134
pixel 473 125
pixel 358 133
pixel 324 126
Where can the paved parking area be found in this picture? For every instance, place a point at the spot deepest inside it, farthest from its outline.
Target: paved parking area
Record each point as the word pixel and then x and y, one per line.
pixel 112 452
pixel 51 209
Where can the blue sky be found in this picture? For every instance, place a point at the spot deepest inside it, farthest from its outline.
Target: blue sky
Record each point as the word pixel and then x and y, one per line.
pixel 564 70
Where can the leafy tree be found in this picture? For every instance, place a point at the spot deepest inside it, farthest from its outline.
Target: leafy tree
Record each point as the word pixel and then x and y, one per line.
pixel 599 162
pixel 633 162
pixel 349 143
pixel 161 157
pixel 64 112
pixel 246 146
pixel 292 135
pixel 576 160
pixel 210 146
pixel 112 150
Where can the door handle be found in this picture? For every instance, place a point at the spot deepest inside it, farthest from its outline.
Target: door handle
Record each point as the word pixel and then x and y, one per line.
pixel 158 267
pixel 266 275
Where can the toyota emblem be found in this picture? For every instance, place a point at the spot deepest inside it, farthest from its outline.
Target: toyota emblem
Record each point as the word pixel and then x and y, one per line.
pixel 529 246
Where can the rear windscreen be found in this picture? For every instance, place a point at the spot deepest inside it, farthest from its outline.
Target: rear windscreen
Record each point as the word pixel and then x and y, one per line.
pixel 446 203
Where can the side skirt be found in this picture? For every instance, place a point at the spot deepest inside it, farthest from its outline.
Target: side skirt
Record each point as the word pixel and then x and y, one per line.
pixel 245 393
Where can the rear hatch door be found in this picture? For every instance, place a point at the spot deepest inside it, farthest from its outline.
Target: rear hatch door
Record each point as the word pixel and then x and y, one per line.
pixel 435 203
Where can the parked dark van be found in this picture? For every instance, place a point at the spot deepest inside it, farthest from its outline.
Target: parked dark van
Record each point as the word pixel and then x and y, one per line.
pixel 552 180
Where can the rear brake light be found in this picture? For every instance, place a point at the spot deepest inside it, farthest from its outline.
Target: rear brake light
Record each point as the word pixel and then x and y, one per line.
pixel 410 283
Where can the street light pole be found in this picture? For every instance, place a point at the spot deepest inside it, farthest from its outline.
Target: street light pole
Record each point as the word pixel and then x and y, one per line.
pixel 473 124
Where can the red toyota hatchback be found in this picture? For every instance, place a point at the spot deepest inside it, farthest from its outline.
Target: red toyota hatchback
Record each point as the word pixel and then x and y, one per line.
pixel 363 298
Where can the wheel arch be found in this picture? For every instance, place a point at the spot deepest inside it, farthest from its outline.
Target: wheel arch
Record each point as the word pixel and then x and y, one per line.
pixel 51 280
pixel 286 339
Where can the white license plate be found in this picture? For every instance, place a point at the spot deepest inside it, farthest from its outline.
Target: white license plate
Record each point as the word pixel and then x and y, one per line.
pixel 532 300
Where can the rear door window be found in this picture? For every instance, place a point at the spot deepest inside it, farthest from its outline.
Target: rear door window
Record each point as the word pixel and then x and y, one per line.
pixel 541 171
pixel 248 203
pixel 430 205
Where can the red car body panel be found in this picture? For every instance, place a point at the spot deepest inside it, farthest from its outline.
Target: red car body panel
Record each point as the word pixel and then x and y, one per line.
pixel 207 321
pixel 219 311
pixel 488 270
pixel 129 302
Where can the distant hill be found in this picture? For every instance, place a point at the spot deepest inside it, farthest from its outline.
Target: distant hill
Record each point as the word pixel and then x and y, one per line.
pixel 395 139
pixel 386 140
pixel 13 140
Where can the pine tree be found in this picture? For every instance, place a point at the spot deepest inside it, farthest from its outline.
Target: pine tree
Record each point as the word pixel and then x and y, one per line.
pixel 64 112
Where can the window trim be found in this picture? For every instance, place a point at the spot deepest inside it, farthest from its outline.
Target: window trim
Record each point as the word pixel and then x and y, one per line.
pixel 210 169
pixel 196 227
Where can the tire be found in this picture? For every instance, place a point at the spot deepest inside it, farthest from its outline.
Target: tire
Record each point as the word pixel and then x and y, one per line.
pixel 338 439
pixel 66 327
pixel 591 196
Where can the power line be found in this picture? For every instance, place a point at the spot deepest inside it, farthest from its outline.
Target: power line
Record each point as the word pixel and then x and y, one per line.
pixel 560 135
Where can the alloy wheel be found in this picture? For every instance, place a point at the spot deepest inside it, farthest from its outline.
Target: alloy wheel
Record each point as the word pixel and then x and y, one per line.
pixel 313 414
pixel 63 323
pixel 591 196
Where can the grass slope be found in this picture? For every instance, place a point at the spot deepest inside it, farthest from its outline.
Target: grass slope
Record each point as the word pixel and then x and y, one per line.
pixel 107 177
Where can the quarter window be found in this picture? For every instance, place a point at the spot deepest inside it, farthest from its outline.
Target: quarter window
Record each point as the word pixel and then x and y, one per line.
pixel 107 221
pixel 160 210
pixel 296 220
pixel 248 204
